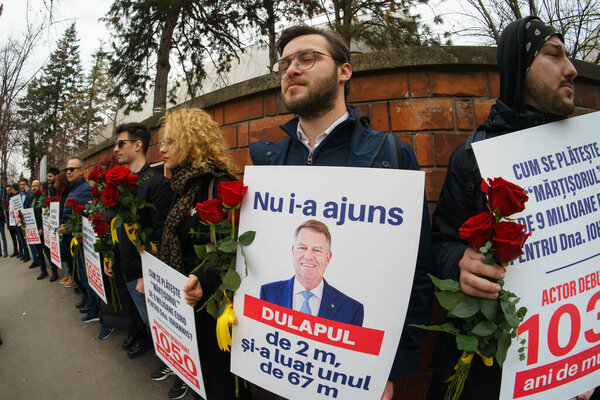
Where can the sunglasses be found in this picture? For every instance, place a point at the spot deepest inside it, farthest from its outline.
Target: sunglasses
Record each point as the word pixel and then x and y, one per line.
pixel 121 142
pixel 71 169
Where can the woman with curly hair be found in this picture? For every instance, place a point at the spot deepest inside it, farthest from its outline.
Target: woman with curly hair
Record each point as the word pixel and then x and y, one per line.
pixel 195 152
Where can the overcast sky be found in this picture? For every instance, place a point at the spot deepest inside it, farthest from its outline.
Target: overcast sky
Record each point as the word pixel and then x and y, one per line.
pixel 85 14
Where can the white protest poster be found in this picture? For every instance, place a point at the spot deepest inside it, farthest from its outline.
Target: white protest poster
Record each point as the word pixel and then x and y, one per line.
pixel 54 236
pixel 47 234
pixel 93 265
pixel 31 229
pixel 172 321
pixel 355 251
pixel 14 205
pixel 558 276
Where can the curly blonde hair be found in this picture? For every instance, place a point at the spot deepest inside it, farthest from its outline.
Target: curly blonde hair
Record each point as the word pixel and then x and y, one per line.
pixel 196 139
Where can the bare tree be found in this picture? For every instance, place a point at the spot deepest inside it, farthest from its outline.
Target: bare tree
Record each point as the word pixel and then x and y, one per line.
pixel 577 20
pixel 13 56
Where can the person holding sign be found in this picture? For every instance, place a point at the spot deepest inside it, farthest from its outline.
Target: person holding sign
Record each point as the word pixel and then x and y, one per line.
pixel 307 291
pixel 10 221
pixel 37 210
pixel 315 72
pixel 536 87
pixel 130 149
pixel 20 189
pixel 195 152
pixel 3 221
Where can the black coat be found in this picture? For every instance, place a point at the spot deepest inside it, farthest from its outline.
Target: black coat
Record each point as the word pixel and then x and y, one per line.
pixel 155 189
pixel 460 199
pixel 218 379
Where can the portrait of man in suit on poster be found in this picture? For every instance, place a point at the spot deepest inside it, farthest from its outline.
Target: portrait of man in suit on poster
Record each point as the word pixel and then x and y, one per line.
pixel 307 291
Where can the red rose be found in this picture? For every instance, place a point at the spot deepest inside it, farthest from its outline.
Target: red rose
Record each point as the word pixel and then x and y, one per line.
pixel 210 211
pixel 509 240
pixel 54 198
pixel 237 216
pixel 5 204
pixel 231 193
pixel 47 202
pixel 130 181
pixel 96 193
pixel 78 209
pixel 44 191
pixel 478 229
pixel 95 175
pixel 505 196
pixel 71 203
pixel 110 195
pixel 39 193
pixel 117 175
pixel 101 227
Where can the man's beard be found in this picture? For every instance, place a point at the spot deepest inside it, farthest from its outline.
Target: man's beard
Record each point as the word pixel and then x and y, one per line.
pixel 549 100
pixel 318 101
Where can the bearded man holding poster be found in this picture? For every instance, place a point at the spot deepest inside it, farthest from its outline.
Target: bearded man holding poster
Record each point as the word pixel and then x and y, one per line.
pixel 536 87
pixel 315 72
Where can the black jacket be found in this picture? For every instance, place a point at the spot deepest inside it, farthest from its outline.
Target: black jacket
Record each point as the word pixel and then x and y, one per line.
pixel 219 381
pixel 156 190
pixel 460 199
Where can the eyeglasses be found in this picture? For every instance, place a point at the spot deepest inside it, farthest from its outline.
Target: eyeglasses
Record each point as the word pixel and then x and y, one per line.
pixel 121 142
pixel 71 169
pixel 304 60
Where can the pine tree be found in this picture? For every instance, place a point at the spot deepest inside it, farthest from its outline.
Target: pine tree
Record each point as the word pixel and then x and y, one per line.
pixel 148 32
pixel 61 96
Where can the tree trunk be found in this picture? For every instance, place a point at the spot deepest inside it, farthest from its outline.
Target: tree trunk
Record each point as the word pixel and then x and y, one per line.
pixel 163 66
pixel 270 8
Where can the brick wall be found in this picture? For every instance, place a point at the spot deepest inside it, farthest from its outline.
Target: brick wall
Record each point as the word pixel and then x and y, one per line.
pixel 432 99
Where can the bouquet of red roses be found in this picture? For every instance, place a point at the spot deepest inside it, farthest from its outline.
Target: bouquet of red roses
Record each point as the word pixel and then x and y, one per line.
pixel 486 327
pixel 43 202
pixel 222 216
pixel 21 220
pixel 117 190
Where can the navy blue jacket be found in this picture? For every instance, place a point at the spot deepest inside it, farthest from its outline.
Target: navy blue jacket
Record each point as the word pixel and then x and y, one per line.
pixel 81 192
pixel 335 305
pixel 353 143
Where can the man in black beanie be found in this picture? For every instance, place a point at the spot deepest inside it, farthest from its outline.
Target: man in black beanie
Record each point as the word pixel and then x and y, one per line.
pixel 536 87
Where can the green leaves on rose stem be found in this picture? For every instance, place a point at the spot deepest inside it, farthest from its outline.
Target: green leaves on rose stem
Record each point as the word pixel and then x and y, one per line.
pixel 484 328
pixel 503 345
pixel 466 343
pixel 228 245
pixel 465 309
pixel 488 308
pixel 201 251
pixel 449 300
pixel 211 308
pixel 447 285
pixel 445 327
pixel 232 280
pixel 247 238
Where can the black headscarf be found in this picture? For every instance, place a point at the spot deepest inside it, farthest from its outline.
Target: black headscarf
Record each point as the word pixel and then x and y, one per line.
pixel 518 45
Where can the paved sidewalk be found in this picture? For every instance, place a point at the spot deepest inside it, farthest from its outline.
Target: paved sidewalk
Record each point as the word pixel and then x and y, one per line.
pixel 48 353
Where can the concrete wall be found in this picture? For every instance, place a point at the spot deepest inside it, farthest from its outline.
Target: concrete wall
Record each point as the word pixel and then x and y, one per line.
pixel 431 98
